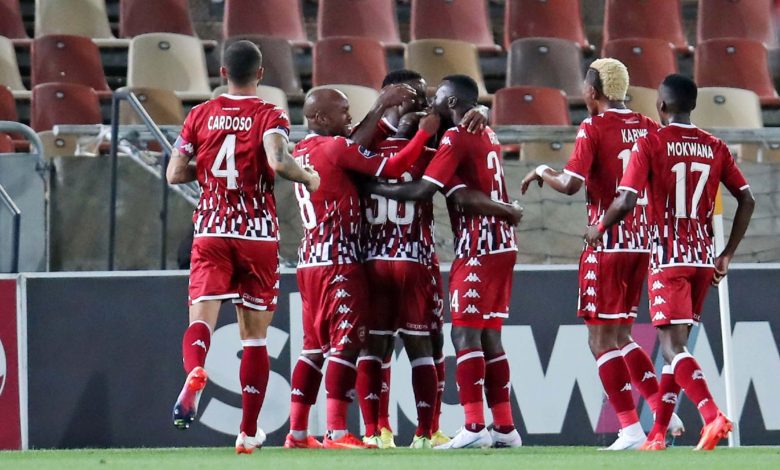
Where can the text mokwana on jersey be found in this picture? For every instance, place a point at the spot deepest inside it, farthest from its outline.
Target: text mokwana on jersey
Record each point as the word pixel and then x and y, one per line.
pixel 689 149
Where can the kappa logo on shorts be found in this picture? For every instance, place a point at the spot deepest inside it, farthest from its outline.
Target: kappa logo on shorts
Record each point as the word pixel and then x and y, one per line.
pixel 590 276
pixel 590 292
pixel 591 307
pixel 591 259
pixel 670 398
pixel 658 300
pixel 339 278
pixel 471 309
pixel 657 285
pixel 342 293
pixel 344 340
pixel 344 325
pixel 343 309
pixel 659 316
pixel 473 262
pixel 471 294
pixel 697 375
pixel 472 277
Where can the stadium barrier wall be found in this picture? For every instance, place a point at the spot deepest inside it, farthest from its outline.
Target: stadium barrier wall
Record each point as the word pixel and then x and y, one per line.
pixel 101 365
pixel 10 417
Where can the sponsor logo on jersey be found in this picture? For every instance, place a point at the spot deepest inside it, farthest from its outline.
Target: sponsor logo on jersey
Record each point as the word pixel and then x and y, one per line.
pixel 657 285
pixel 344 325
pixel 472 277
pixel 343 309
pixel 591 259
pixel 648 375
pixel 670 398
pixel 473 262
pixel 590 276
pixel 199 343
pixel 658 300
pixel 251 389
pixel 697 375
pixel 626 388
pixel 470 309
pixel 342 293
pixel 659 316
pixel 471 294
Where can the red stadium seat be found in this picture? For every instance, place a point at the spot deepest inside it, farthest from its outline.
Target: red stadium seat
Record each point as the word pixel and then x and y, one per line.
pixel 751 19
pixel 70 59
pixel 659 19
pixel 7 105
pixel 544 19
pixel 463 20
pixel 547 62
pixel 160 16
pixel 11 25
pixel 735 63
pixel 350 61
pixel 279 66
pixel 63 103
pixel 649 61
pixel 279 18
pixel 6 143
pixel 527 105
pixel 367 18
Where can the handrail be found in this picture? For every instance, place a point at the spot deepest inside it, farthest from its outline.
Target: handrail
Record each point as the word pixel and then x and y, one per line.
pixel 30 135
pixel 16 214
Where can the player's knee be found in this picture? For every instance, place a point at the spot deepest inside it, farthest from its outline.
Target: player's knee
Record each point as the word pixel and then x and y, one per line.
pixel 466 338
pixel 491 342
pixel 418 346
pixel 600 342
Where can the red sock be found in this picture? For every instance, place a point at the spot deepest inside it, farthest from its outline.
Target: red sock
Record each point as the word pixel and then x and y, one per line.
pixel 440 371
pixel 497 391
pixel 306 378
pixel 668 392
pixel 384 397
pixel 688 374
pixel 617 385
pixel 425 385
pixel 368 387
pixel 340 385
pixel 253 374
pixel 195 345
pixel 642 372
pixel 470 374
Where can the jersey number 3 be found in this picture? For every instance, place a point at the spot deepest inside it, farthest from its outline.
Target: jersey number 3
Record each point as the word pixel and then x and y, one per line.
pixel 227 155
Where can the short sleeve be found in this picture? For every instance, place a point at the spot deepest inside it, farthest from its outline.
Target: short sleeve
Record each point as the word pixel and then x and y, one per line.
pixel 186 143
pixel 638 170
pixel 276 122
pixel 446 161
pixel 455 185
pixel 353 157
pixel 584 151
pixel 731 176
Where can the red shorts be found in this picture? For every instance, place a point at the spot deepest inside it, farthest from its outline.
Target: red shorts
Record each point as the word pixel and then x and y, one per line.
pixel 677 294
pixel 610 286
pixel 481 289
pixel 246 271
pixel 335 302
pixel 403 298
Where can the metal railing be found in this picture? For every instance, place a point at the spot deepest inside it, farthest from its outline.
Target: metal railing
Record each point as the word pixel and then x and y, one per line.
pixel 16 225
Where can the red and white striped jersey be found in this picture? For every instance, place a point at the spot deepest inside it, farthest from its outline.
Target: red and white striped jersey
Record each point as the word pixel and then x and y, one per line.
pixel 397 230
pixel 474 159
pixel 225 136
pixel 601 154
pixel 681 168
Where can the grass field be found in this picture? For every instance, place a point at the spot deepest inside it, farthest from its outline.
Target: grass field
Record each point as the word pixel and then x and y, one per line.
pixel 281 459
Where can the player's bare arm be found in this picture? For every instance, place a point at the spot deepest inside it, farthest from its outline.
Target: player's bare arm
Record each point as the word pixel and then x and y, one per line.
pixel 393 95
pixel 282 162
pixel 180 169
pixel 745 205
pixel 419 190
pixel 477 202
pixel 620 207
pixel 557 180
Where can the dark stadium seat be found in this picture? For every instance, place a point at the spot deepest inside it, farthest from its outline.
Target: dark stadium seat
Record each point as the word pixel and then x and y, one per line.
pixel 648 60
pixel 6 143
pixel 63 103
pixel 349 60
pixel 9 68
pixel 278 62
pixel 659 19
pixel 160 16
pixel 7 105
pixel 544 19
pixel 279 18
pixel 11 25
pixel 751 19
pixel 735 63
pixel 463 20
pixel 547 62
pixel 367 18
pixel 436 58
pixel 528 105
pixel 71 59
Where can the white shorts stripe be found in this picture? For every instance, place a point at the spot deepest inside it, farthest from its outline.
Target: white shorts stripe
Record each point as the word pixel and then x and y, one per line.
pixel 215 297
pixel 311 363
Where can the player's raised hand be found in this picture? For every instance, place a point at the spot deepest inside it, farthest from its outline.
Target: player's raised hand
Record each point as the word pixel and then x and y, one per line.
pixel 593 236
pixel 721 269
pixel 530 178
pixel 430 123
pixel 396 95
pixel 476 119
pixel 313 184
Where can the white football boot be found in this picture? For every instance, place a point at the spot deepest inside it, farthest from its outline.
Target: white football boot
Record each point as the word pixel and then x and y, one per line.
pixel 676 426
pixel 511 439
pixel 629 438
pixel 466 439
pixel 247 444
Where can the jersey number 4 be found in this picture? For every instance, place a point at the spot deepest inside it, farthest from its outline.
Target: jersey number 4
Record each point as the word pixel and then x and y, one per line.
pixel 227 155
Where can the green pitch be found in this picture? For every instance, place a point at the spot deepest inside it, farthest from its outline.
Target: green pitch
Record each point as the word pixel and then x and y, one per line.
pixel 282 459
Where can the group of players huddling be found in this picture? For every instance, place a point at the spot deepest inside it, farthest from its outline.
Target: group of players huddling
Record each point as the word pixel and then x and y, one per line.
pixel 367 269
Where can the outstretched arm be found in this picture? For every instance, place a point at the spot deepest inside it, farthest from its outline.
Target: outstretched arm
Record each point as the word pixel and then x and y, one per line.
pixel 180 168
pixel 419 190
pixel 477 202
pixel 284 164
pixel 745 205
pixel 558 180
pixel 621 205
pixel 393 95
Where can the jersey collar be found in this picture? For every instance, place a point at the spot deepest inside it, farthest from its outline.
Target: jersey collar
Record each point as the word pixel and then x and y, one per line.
pixel 619 111
pixel 238 97
pixel 684 126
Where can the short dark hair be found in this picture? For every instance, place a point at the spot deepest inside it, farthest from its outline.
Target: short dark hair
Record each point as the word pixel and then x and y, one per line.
pixel 400 76
pixel 465 88
pixel 242 59
pixel 682 92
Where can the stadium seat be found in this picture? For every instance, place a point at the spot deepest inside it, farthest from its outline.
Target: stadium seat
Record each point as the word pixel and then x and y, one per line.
pixel 659 19
pixel 163 106
pixel 66 58
pixel 643 101
pixel 367 18
pixel 735 63
pixel 266 93
pixel 361 99
pixel 7 105
pixel 58 145
pixel 170 61
pixel 544 19
pixel 63 103
pixel 547 62
pixel 436 58
pixel 279 66
pixel 6 143
pixel 77 17
pixel 11 25
pixel 735 108
pixel 349 60
pixel 278 18
pixel 160 16
pixel 462 20
pixel 741 19
pixel 648 60
pixel 9 69
pixel 523 105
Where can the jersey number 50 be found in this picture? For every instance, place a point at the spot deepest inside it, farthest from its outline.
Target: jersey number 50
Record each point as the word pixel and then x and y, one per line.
pixel 387 209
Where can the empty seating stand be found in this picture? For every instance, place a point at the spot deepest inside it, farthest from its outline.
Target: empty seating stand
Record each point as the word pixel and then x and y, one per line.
pixel 279 18
pixel 279 66
pixel 66 58
pixel 462 20
pixel 436 58
pixel 349 60
pixel 76 17
pixel 528 105
pixel 11 25
pixel 160 16
pixel 659 19
pixel 544 19
pixel 9 70
pixel 374 19
pixel 548 62
pixel 63 103
pixel 751 19
pixel 648 60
